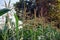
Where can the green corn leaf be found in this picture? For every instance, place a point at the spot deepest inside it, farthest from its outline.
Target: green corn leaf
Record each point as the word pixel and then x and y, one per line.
pixel 3 11
pixel 17 30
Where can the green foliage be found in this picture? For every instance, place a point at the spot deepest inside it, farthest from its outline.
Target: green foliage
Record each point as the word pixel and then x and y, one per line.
pixel 39 33
pixel 17 30
pixel 3 11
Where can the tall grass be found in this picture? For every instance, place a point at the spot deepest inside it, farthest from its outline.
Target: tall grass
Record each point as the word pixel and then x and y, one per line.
pixel 39 33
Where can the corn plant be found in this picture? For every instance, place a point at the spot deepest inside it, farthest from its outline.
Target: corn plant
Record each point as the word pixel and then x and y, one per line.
pixel 3 11
pixel 38 33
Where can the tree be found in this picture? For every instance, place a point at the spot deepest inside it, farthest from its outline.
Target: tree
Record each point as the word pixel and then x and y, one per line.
pixel 22 5
pixel 43 7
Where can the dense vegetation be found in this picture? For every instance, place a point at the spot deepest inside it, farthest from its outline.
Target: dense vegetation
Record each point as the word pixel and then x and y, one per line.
pixel 49 9
pixel 39 33
pixel 43 16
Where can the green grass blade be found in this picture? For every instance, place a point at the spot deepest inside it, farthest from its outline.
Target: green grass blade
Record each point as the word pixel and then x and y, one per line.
pixel 17 30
